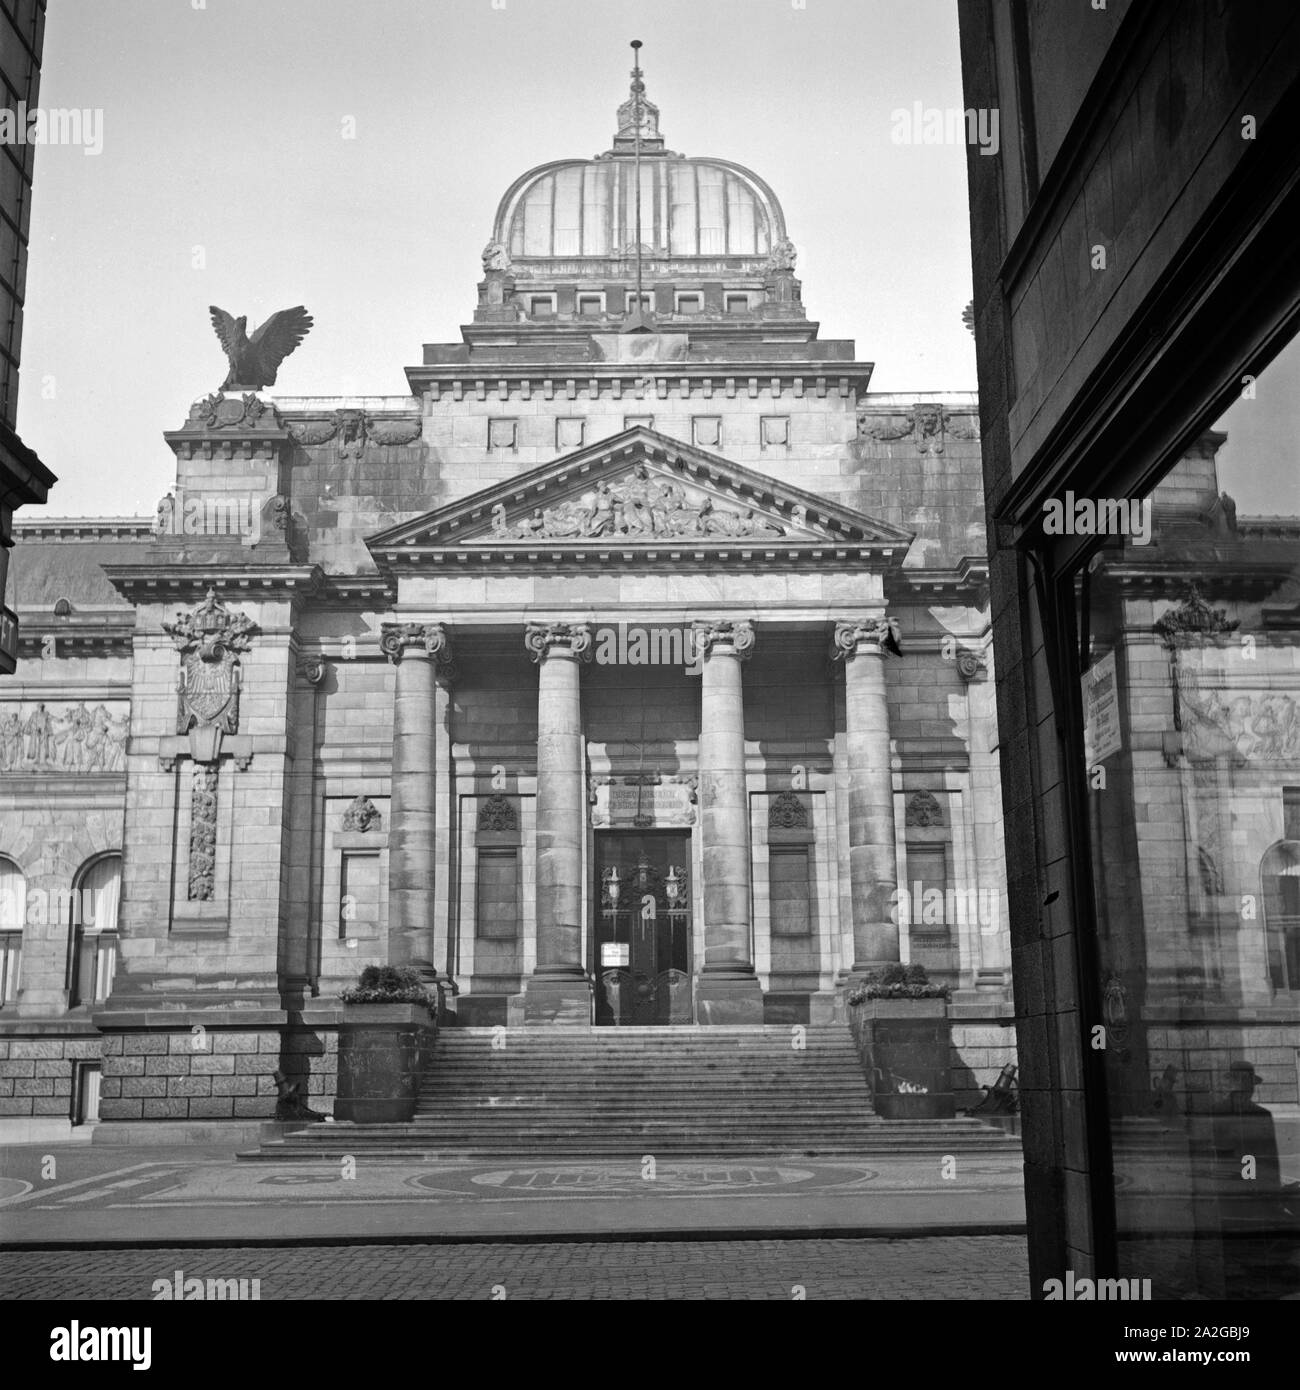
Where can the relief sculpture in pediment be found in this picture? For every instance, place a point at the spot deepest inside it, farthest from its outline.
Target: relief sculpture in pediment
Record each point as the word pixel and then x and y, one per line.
pixel 639 505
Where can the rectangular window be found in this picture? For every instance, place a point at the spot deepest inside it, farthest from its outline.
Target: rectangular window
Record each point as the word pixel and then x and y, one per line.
pixel 543 306
pixel 788 889
pixel 359 895
pixel 502 434
pixel 105 963
pixel 496 912
pixel 11 961
pixel 737 304
pixel 689 303
pixel 706 431
pixel 591 306
pixel 631 302
pixel 775 432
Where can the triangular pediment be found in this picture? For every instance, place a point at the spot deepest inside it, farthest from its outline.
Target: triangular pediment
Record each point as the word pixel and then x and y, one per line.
pixel 635 493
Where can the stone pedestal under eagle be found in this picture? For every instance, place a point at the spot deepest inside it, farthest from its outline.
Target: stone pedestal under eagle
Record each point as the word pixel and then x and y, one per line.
pixel 254 361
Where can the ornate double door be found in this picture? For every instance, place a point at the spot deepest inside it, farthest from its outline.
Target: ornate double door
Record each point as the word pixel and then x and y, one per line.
pixel 642 927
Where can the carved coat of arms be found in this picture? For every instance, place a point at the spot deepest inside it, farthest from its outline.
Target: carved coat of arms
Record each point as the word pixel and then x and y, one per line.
pixel 210 638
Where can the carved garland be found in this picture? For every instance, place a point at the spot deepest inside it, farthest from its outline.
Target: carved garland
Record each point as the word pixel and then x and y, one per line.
pixel 203 833
pixel 354 430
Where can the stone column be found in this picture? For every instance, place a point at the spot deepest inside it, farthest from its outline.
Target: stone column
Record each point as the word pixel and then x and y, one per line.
pixel 559 990
pixel 728 990
pixel 991 957
pixel 873 855
pixel 418 650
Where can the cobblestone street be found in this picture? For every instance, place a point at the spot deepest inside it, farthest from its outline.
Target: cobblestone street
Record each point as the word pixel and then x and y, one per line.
pixel 938 1268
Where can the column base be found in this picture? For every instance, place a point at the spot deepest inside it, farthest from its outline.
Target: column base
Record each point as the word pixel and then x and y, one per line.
pixel 558 1001
pixel 723 1000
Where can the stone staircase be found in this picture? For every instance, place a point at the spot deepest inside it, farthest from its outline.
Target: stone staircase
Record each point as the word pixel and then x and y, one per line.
pixel 627 1092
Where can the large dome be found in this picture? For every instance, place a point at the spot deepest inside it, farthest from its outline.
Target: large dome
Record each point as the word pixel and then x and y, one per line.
pixel 689 207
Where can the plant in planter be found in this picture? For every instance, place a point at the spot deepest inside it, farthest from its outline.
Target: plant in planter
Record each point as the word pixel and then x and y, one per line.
pixel 897 981
pixel 388 984
pixel 389 1025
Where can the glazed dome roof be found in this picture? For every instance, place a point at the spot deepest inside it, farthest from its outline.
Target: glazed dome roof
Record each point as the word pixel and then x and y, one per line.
pixel 689 207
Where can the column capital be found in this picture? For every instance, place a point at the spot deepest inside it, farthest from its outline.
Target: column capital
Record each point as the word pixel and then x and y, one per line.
pixel 738 635
pixel 865 636
pixel 560 639
pixel 433 639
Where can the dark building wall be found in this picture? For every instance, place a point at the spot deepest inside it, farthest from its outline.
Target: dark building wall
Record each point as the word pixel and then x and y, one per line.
pixel 22 30
pixel 23 478
pixel 1122 130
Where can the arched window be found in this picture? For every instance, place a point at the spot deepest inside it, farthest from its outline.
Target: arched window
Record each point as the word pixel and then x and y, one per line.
pixel 13 911
pixel 1280 873
pixel 94 935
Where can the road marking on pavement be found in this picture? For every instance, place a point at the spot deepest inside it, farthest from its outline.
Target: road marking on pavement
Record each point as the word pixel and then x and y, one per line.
pixel 58 1190
pixel 112 1187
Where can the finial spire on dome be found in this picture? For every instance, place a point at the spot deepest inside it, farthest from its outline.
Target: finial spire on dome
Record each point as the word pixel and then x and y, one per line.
pixel 638 110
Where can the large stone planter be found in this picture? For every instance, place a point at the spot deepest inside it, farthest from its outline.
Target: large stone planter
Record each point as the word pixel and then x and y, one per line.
pixel 906 1042
pixel 383 1051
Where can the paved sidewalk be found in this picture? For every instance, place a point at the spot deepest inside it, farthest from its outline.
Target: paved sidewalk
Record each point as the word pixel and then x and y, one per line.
pixel 159 1196
pixel 955 1267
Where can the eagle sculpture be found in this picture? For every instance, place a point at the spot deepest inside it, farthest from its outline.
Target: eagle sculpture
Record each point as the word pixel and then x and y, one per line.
pixel 254 361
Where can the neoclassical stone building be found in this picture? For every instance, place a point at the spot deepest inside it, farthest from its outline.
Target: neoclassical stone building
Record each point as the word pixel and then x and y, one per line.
pixel 623 672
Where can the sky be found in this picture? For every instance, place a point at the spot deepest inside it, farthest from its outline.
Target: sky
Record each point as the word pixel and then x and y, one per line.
pixel 225 178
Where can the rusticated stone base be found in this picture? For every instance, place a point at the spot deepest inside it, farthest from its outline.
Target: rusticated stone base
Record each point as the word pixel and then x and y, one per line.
pixel 211 1068
pixel 36 1073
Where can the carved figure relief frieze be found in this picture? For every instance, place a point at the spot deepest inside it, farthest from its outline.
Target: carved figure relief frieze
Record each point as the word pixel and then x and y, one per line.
pixel 62 736
pixel 1259 726
pixel 638 505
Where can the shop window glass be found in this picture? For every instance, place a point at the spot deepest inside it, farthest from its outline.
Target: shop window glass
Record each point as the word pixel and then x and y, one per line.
pixel 1189 661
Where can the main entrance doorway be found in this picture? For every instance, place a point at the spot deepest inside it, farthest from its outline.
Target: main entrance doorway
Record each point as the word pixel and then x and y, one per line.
pixel 642 927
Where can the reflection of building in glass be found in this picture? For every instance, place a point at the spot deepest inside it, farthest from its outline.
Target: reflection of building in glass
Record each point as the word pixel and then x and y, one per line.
pixel 1135 293
pixel 1194 816
pixel 623 673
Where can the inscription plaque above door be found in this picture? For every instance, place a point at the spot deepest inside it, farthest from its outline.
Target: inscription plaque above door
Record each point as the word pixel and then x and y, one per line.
pixel 642 802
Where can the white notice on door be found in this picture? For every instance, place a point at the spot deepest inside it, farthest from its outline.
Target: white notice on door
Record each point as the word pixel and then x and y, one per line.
pixel 1101 732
